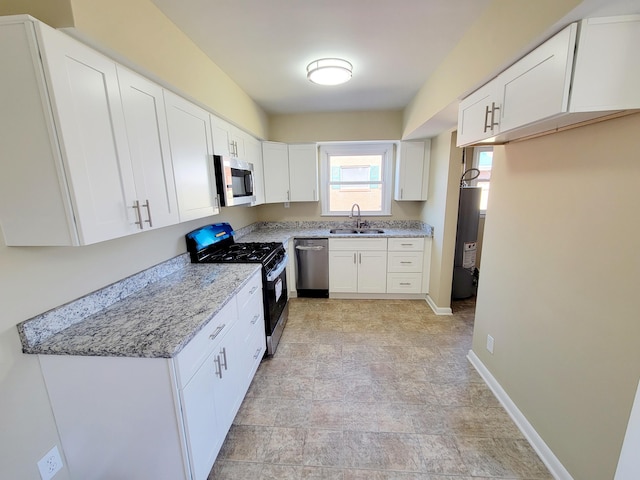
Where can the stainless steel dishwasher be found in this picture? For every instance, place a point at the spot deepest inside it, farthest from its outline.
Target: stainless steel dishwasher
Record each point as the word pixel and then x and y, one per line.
pixel 312 267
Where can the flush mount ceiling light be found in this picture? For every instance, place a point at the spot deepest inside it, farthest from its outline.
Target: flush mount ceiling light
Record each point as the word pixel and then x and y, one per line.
pixel 329 71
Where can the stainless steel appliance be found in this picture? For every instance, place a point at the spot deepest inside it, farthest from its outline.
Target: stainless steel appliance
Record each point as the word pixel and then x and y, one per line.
pixel 464 265
pixel 215 244
pixel 312 267
pixel 234 181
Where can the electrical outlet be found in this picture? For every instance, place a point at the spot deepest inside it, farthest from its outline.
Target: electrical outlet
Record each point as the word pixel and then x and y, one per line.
pixel 50 464
pixel 490 343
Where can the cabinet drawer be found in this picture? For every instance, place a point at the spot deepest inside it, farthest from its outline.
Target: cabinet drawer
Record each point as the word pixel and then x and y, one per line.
pixel 252 289
pixel 201 346
pixel 357 244
pixel 404 282
pixel 404 262
pixel 402 244
pixel 251 317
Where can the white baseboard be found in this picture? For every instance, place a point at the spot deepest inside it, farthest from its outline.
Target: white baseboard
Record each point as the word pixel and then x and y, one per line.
pixel 546 455
pixel 436 309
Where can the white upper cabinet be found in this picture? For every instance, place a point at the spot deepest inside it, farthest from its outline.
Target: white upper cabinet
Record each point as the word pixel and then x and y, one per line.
pixel 303 172
pixel 145 119
pixel 412 171
pixel 537 86
pixel 67 176
pixel 228 140
pixel 607 67
pixel 253 154
pixel 192 157
pixel 478 115
pixel 290 172
pixel 583 72
pixel 275 157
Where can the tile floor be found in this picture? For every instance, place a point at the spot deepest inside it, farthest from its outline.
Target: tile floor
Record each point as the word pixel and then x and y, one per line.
pixel 376 390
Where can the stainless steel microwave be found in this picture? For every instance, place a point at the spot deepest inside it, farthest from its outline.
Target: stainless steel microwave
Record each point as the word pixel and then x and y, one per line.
pixel 234 181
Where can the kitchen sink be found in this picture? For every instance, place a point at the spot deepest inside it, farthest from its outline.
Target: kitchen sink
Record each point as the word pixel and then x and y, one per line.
pixel 352 231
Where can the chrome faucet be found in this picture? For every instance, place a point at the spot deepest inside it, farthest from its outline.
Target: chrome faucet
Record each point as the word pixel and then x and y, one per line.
pixel 358 217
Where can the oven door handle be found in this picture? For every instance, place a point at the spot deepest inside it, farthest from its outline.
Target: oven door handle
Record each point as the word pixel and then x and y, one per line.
pixel 275 273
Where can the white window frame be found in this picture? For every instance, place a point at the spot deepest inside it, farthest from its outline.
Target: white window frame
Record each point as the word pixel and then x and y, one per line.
pixel 476 159
pixel 385 149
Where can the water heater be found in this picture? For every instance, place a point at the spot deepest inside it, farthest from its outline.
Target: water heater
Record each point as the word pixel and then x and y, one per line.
pixel 464 263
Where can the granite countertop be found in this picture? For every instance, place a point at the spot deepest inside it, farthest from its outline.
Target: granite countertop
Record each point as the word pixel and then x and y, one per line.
pixel 285 231
pixel 156 321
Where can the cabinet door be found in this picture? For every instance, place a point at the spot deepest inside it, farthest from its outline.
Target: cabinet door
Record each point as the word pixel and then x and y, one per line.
pixel 475 115
pixel 253 151
pixel 343 271
pixel 607 66
pixel 204 436
pixel 275 157
pixel 83 86
pixel 149 149
pixel 537 86
pixel 303 172
pixel 372 272
pixel 412 171
pixel 220 133
pixel 192 157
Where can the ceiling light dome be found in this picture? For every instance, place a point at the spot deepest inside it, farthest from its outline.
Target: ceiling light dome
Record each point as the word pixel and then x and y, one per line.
pixel 329 71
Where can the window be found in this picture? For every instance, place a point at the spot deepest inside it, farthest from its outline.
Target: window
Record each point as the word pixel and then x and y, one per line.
pixel 356 173
pixel 482 160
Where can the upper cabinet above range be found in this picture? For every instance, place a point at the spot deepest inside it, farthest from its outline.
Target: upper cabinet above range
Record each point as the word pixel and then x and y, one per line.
pixel 587 70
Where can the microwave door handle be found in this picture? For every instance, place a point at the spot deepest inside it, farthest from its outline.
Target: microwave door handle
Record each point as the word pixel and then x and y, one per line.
pixel 248 180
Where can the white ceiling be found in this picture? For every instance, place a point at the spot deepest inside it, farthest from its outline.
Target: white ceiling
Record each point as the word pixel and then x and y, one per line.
pixel 265 46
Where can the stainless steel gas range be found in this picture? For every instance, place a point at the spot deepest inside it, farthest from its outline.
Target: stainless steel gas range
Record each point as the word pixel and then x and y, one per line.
pixel 215 244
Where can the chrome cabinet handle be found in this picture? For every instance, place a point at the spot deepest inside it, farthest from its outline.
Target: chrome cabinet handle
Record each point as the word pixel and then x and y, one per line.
pixel 136 207
pixel 493 112
pixel 217 331
pixel 486 117
pixel 216 361
pixel 255 319
pixel 354 258
pixel 401 193
pixel 288 195
pixel 253 290
pixel 255 357
pixel 408 263
pixel 223 352
pixel 401 283
pixel 146 205
pixel 360 258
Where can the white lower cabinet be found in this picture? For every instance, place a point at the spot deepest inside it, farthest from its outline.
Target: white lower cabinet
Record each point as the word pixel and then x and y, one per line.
pixel 395 267
pixel 150 418
pixel 357 265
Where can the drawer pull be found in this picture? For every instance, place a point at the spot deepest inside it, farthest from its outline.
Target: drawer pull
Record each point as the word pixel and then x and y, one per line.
pixel 255 319
pixel 407 244
pixel 223 352
pixel 406 263
pixel 255 357
pixel 405 283
pixel 217 332
pixel 253 290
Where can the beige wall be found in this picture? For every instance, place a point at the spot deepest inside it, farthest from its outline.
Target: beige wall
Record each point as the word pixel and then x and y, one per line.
pixel 52 12
pixel 339 126
pixel 504 31
pixel 559 285
pixel 139 32
pixel 440 211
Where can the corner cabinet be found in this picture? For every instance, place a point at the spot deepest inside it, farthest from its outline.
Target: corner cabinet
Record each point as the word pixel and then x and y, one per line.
pixel 192 156
pixel 290 172
pixel 158 417
pixel 580 74
pixel 412 171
